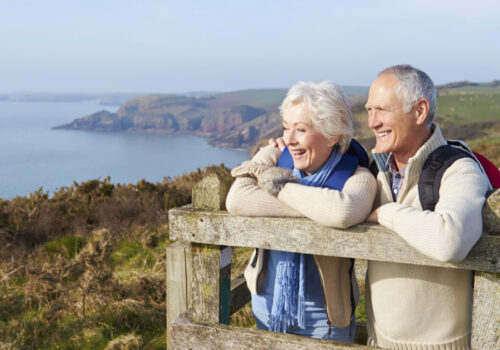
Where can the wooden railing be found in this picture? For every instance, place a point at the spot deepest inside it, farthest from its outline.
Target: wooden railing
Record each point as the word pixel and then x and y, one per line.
pixel 199 293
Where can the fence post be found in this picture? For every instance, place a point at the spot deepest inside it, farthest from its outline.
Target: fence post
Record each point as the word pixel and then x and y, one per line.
pixel 179 267
pixel 486 305
pixel 486 311
pixel 486 302
pixel 211 281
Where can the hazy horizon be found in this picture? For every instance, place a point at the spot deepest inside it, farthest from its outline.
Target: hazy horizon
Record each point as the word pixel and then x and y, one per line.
pixel 156 46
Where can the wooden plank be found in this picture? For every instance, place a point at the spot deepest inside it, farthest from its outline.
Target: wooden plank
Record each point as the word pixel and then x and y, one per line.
pixel 210 193
pixel 226 255
pixel 486 312
pixel 491 214
pixel 205 283
pixel 240 295
pixel 364 241
pixel 211 283
pixel 193 335
pixel 361 336
pixel 178 258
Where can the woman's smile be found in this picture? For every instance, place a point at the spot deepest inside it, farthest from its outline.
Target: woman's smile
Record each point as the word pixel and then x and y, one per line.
pixel 309 148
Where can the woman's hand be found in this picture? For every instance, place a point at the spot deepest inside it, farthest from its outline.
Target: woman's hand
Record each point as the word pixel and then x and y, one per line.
pixel 274 179
pixel 277 143
pixel 249 169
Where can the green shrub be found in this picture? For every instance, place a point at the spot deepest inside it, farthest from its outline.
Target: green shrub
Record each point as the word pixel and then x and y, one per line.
pixel 132 254
pixel 67 246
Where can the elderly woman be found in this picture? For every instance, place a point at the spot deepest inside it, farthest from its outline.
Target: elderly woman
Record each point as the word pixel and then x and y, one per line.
pixel 320 174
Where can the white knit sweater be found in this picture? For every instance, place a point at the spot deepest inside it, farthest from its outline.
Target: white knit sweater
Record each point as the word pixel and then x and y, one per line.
pixel 420 307
pixel 326 206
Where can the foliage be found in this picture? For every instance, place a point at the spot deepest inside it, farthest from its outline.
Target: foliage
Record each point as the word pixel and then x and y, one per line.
pixel 68 246
pixel 85 268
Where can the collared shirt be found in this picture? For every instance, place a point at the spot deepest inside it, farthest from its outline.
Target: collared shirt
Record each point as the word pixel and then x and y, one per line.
pixel 397 176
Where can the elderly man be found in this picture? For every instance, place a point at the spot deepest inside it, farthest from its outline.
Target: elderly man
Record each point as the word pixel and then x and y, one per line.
pixel 410 306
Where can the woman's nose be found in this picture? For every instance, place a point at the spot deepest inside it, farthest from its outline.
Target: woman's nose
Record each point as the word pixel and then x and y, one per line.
pixel 289 138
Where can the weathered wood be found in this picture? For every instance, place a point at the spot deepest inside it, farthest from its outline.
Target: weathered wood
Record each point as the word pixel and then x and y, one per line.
pixel 360 266
pixel 211 283
pixel 240 295
pixel 205 283
pixel 226 255
pixel 210 193
pixel 486 311
pixel 364 241
pixel 193 335
pixel 361 336
pixel 491 214
pixel 178 258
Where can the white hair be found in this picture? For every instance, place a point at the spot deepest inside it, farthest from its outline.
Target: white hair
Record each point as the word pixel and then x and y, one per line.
pixel 414 84
pixel 329 109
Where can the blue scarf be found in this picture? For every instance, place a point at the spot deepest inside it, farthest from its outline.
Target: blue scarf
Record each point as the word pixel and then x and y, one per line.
pixel 289 284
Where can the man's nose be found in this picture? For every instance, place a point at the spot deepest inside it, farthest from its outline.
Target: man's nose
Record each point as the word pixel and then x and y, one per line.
pixel 373 121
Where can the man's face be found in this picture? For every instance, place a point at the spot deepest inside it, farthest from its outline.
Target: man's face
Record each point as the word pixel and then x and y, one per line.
pixel 395 131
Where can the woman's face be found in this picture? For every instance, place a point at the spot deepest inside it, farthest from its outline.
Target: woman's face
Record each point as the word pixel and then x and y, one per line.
pixel 309 148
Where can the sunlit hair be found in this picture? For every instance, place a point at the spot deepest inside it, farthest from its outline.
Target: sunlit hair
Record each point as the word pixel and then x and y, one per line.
pixel 413 85
pixel 329 109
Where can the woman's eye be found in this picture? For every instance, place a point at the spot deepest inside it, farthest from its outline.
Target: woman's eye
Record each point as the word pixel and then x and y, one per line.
pixel 301 130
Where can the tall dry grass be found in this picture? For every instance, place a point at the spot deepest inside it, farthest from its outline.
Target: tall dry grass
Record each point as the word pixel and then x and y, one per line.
pixel 85 267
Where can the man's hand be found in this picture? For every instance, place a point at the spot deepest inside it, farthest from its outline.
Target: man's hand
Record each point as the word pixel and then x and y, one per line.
pixel 278 143
pixel 373 216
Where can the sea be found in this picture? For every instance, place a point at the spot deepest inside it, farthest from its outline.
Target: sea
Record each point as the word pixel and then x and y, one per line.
pixel 34 156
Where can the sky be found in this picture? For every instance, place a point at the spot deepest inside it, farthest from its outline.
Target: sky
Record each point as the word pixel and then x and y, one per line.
pixel 168 46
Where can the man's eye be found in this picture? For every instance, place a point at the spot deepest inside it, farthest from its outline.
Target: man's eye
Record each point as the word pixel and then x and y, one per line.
pixel 301 130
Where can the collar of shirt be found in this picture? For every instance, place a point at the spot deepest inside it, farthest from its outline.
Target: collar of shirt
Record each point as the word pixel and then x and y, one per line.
pixel 397 176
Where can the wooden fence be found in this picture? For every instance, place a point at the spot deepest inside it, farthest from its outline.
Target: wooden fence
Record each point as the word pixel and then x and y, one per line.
pixel 201 296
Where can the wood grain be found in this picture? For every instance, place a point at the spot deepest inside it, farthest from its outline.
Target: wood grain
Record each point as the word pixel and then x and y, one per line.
pixel 364 241
pixel 486 312
pixel 193 335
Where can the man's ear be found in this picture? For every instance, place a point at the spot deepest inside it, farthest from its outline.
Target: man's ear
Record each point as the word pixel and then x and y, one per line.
pixel 422 111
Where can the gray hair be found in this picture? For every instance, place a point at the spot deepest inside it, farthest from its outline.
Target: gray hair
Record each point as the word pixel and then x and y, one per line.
pixel 329 109
pixel 414 84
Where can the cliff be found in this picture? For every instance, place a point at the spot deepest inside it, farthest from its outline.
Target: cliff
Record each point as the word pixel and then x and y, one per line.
pixel 222 120
pixel 240 119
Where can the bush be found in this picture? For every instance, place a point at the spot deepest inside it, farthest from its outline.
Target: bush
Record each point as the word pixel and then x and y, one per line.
pixel 87 265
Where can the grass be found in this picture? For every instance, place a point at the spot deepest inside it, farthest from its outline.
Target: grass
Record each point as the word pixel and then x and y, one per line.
pixel 132 255
pixel 469 108
pixel 68 246
pixel 85 269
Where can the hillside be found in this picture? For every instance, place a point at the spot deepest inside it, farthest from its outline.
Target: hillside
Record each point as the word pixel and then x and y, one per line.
pixel 85 269
pixel 240 119
pixel 235 119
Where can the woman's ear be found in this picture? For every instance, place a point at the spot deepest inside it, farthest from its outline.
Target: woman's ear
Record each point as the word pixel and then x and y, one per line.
pixel 332 142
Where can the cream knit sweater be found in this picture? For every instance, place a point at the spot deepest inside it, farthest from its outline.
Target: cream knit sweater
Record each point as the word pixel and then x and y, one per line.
pixel 419 307
pixel 326 206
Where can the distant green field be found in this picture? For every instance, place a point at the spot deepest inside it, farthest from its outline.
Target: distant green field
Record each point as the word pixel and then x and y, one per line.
pixel 480 88
pixel 266 98
pixel 464 108
pixel 260 98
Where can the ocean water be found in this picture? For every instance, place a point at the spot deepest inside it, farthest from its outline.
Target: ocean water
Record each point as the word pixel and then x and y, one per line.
pixel 32 155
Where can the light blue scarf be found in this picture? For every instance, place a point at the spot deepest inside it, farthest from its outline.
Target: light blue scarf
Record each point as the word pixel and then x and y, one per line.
pixel 289 284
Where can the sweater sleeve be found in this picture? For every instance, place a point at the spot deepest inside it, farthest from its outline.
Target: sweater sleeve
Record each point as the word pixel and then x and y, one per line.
pixel 331 207
pixel 246 198
pixel 451 230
